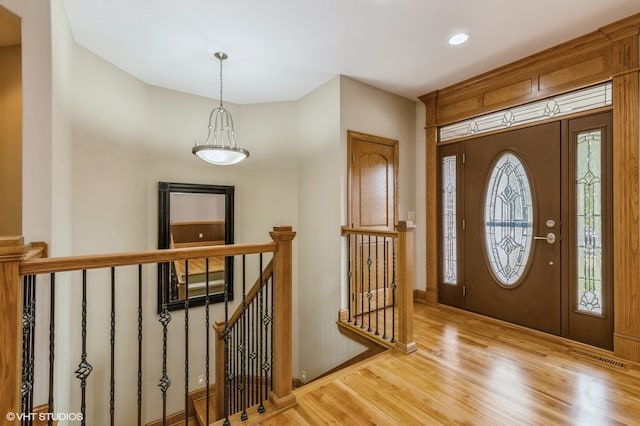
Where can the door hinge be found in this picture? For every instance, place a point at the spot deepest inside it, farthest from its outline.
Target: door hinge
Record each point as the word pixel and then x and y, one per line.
pixel 464 290
pixel 353 157
pixel 464 224
pixel 464 158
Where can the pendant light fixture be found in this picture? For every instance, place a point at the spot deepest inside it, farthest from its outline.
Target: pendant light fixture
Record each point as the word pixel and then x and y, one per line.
pixel 220 147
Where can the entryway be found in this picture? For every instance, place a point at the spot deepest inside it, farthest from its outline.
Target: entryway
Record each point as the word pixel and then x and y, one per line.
pixel 526 227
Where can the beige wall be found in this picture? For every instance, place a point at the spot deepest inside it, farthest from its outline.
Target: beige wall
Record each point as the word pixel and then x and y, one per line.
pixel 104 141
pixel 320 190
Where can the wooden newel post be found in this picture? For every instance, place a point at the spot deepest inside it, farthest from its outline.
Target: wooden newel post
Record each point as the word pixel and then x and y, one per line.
pixel 221 382
pixel 281 395
pixel 12 250
pixel 404 291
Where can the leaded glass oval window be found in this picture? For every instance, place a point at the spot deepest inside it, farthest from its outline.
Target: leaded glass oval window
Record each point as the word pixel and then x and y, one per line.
pixel 508 216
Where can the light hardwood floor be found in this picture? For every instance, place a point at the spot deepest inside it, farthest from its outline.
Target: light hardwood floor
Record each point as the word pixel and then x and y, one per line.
pixel 474 370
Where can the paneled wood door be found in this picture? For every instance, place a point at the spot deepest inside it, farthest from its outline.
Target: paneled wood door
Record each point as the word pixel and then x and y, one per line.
pixel 372 181
pixel 372 203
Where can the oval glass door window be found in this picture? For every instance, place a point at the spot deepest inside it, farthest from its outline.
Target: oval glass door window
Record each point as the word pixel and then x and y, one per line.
pixel 508 217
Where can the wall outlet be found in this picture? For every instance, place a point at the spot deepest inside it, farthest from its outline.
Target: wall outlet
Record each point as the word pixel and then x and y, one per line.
pixel 201 379
pixel 304 376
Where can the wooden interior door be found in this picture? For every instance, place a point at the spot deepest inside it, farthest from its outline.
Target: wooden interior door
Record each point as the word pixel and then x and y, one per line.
pixel 372 203
pixel 512 236
pixel 372 173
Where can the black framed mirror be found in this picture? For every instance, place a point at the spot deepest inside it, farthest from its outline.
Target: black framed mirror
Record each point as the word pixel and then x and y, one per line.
pixel 194 215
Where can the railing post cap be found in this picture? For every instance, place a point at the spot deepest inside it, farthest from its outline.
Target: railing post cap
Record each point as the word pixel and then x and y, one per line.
pixel 12 248
pixel 405 225
pixel 282 233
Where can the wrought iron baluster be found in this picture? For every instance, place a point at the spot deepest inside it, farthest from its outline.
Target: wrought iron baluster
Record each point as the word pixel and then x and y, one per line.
pixel 254 353
pixel 227 384
pixel 385 282
pixel 243 344
pixel 266 320
pixel 349 277
pixel 377 333
pixel 52 329
pixel 369 263
pixel 139 345
pixel 165 382
pixel 354 285
pixel 261 342
pixel 361 294
pixel 206 326
pixel 112 381
pixel 393 291
pixel 186 342
pixel 270 282
pixel 28 342
pixel 84 369
pixel 236 393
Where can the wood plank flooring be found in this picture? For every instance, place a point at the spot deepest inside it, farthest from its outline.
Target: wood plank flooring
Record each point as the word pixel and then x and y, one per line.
pixel 474 370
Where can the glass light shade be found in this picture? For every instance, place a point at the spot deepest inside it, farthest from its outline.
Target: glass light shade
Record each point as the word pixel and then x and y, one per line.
pixel 220 147
pixel 220 156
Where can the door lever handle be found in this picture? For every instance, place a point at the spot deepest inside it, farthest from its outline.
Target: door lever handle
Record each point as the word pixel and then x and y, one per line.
pixel 549 238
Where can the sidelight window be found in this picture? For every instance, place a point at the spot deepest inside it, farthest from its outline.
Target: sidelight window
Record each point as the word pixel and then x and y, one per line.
pixel 589 221
pixel 449 243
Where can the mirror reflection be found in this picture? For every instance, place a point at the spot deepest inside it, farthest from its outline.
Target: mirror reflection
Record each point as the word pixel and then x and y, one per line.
pixel 194 215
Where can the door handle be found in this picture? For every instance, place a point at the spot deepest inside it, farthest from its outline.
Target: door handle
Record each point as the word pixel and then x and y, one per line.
pixel 549 238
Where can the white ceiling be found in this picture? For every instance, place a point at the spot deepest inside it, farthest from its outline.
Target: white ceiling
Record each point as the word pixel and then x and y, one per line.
pixel 283 49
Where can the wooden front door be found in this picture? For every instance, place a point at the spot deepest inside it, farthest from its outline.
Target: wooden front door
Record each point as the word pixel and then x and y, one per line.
pixel 512 235
pixel 526 229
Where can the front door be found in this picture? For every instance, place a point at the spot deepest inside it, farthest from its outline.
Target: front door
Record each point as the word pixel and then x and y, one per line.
pixel 512 212
pixel 526 231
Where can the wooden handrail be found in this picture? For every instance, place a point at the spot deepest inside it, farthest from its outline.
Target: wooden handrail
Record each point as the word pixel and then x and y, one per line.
pixel 346 230
pixel 76 263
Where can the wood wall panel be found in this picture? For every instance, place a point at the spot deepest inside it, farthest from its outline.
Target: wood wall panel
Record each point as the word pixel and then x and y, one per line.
pixel 508 93
pixel 11 140
pixel 590 70
pixel 575 64
pixel 626 202
pixel 431 132
pixel 608 54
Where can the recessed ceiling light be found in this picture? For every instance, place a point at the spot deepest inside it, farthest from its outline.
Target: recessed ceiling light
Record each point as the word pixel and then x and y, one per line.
pixel 459 38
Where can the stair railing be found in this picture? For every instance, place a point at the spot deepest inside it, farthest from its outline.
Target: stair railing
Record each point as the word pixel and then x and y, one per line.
pixel 380 284
pixel 252 359
pixel 21 276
